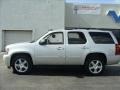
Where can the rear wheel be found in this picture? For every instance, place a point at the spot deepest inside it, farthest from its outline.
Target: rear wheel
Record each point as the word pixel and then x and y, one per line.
pixel 21 64
pixel 95 65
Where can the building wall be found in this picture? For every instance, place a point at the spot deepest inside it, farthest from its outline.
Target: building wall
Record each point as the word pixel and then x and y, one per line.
pixel 91 21
pixel 36 15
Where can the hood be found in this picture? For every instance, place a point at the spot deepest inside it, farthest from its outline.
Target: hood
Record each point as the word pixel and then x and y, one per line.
pixel 24 44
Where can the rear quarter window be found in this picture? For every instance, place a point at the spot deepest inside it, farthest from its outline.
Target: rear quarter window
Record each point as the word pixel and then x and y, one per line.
pixel 101 37
pixel 116 34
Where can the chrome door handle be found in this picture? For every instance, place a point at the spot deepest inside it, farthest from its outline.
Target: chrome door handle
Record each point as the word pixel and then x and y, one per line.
pixel 60 48
pixel 84 47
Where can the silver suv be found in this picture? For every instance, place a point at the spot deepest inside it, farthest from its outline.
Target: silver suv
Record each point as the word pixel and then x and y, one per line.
pixel 91 48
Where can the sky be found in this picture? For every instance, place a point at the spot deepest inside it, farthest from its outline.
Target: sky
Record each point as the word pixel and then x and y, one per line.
pixel 95 1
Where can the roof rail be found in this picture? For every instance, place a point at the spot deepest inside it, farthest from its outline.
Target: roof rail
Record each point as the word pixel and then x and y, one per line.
pixel 71 28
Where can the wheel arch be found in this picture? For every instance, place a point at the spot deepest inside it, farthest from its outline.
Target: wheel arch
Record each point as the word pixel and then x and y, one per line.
pixel 99 54
pixel 20 53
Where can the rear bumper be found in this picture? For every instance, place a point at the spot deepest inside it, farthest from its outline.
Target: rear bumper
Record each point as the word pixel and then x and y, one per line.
pixel 113 60
pixel 6 59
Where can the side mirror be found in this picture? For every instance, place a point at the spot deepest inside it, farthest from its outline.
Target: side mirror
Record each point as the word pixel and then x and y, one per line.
pixel 53 36
pixel 43 42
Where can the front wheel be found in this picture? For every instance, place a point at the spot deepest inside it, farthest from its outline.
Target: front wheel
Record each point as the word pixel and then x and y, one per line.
pixel 21 64
pixel 94 66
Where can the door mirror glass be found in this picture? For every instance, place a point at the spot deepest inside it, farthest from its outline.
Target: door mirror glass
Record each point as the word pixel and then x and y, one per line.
pixel 43 42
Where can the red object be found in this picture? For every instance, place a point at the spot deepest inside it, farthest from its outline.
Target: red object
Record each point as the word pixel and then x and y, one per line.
pixel 117 49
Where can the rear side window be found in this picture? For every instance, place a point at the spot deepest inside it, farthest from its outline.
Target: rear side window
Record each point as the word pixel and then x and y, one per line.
pixel 101 38
pixel 76 38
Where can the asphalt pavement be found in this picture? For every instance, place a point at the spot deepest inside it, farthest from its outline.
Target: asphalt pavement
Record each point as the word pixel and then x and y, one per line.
pixel 59 79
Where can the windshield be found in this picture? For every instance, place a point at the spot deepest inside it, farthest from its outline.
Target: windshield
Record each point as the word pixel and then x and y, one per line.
pixel 37 38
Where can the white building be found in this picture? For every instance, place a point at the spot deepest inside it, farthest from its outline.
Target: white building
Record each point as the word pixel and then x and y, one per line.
pixel 24 20
pixel 96 19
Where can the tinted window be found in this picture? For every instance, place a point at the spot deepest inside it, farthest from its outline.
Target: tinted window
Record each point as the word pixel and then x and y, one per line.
pixel 117 34
pixel 101 38
pixel 76 38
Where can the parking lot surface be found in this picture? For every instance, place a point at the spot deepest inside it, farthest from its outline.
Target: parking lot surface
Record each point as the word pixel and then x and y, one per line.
pixel 59 79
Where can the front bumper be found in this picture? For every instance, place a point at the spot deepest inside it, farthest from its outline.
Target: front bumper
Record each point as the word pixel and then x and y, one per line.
pixel 6 59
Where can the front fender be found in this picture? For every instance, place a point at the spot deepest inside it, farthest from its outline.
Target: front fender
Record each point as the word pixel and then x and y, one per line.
pixel 13 52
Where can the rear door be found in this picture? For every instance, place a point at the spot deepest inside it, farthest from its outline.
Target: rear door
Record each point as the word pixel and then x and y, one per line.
pixel 75 47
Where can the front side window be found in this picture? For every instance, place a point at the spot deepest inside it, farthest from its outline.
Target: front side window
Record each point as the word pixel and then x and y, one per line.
pixel 55 38
pixel 101 38
pixel 76 38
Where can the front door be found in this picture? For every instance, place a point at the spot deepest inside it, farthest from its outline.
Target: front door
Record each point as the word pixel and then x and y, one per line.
pixel 53 52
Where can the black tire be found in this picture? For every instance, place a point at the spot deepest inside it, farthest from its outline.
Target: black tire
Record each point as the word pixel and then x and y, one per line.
pixel 94 65
pixel 21 64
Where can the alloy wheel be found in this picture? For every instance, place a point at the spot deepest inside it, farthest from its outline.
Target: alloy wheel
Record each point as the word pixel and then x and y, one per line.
pixel 21 65
pixel 95 66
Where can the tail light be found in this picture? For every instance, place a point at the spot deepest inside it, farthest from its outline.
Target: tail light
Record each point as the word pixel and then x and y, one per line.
pixel 117 49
